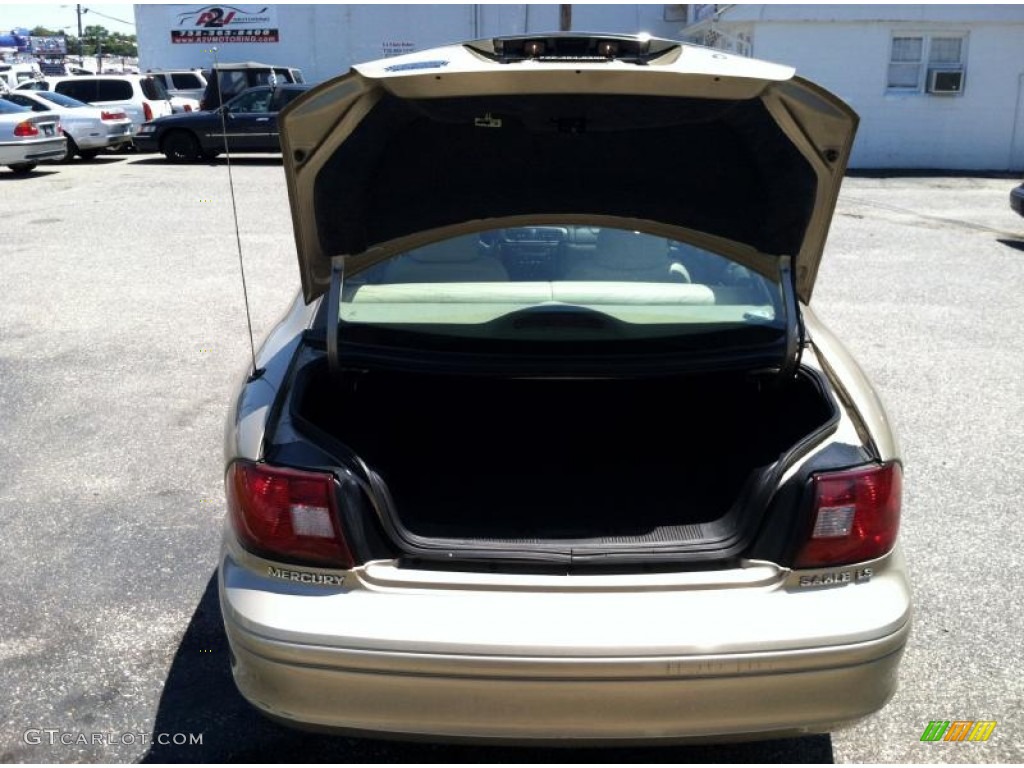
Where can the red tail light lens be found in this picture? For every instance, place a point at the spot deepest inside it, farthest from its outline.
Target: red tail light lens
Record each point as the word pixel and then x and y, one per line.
pixel 147 111
pixel 286 514
pixel 856 516
pixel 188 107
pixel 26 128
pixel 105 115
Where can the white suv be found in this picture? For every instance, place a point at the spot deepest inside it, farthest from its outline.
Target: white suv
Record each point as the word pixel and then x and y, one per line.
pixel 142 97
pixel 187 83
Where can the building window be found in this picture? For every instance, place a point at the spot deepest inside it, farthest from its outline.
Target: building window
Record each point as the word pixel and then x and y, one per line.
pixel 913 56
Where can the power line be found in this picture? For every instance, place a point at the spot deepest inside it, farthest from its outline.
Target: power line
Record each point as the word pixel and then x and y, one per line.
pixel 103 15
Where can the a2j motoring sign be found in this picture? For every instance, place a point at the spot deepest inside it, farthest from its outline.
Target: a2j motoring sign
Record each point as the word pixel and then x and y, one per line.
pixel 226 24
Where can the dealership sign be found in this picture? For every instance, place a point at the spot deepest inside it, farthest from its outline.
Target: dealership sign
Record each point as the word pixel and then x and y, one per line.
pixel 48 46
pixel 226 24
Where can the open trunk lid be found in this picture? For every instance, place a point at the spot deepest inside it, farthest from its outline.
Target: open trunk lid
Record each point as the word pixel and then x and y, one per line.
pixel 676 140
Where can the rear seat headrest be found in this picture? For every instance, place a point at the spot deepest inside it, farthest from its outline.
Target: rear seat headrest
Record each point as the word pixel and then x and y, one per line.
pixel 622 249
pixel 465 248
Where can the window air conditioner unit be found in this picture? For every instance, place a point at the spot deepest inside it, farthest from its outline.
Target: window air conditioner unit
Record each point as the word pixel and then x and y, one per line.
pixel 945 80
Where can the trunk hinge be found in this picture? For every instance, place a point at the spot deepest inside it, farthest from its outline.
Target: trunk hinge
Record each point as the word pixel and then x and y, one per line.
pixel 334 316
pixel 794 322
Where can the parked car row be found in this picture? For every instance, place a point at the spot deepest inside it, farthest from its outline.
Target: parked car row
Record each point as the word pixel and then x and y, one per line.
pixel 89 130
pixel 141 97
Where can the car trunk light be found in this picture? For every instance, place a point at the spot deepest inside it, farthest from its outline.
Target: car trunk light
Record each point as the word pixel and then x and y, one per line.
pixel 833 522
pixel 188 107
pixel 147 111
pixel 26 128
pixel 311 521
pixel 286 514
pixel 105 115
pixel 856 516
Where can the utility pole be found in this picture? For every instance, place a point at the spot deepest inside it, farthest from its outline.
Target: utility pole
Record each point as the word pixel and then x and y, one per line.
pixel 81 60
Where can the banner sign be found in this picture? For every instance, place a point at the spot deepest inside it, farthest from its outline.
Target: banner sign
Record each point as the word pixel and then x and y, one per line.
pixel 48 46
pixel 226 24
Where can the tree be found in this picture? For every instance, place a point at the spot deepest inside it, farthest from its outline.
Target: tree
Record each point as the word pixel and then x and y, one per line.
pixel 44 32
pixel 100 39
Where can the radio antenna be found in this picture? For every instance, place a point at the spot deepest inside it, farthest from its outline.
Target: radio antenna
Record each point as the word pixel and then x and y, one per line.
pixel 234 211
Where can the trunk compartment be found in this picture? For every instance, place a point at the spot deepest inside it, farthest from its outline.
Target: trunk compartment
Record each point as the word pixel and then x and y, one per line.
pixel 682 465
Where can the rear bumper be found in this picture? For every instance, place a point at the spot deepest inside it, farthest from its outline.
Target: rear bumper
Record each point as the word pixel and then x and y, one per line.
pixel 105 140
pixel 300 657
pixel 120 135
pixel 147 142
pixel 42 150
pixel 478 698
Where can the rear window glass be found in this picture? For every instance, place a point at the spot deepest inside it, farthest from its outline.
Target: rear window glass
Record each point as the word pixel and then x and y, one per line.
pixel 268 78
pixel 62 100
pixel 185 80
pixel 7 108
pixel 153 88
pixel 24 101
pixel 83 90
pixel 232 82
pixel 562 282
pixel 113 90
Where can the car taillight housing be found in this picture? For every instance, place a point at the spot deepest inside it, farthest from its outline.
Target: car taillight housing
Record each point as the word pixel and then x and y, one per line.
pixel 26 128
pixel 286 514
pixel 856 516
pixel 188 107
pixel 107 115
pixel 147 111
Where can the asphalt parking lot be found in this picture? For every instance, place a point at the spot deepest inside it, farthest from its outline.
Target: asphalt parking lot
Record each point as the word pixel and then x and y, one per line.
pixel 123 336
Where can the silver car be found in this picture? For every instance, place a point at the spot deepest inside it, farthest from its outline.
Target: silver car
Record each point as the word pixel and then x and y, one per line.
pixel 27 139
pixel 89 130
pixel 551 446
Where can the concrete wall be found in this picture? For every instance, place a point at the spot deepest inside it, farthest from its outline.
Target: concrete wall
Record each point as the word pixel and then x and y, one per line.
pixel 980 129
pixel 325 40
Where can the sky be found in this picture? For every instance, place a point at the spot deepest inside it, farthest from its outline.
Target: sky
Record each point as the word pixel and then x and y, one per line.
pixel 55 16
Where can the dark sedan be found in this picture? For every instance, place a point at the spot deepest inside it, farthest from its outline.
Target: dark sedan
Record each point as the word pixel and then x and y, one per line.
pixel 247 123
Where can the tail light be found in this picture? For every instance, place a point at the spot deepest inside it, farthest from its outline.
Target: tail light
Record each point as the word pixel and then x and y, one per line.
pixel 286 514
pixel 26 128
pixel 856 516
pixel 147 111
pixel 188 107
pixel 105 115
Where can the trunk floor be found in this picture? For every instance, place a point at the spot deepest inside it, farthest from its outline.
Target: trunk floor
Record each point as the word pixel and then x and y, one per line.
pixel 543 461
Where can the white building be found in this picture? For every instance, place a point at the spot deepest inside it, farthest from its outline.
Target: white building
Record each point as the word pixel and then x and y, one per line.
pixel 324 40
pixel 936 86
